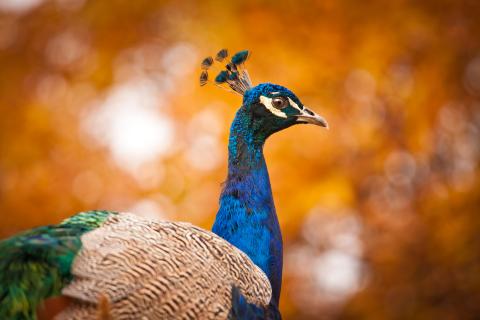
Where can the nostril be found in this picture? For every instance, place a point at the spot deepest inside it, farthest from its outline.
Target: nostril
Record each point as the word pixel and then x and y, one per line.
pixel 309 112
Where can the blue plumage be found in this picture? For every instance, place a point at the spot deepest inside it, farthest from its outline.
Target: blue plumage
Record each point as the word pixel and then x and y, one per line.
pixel 252 96
pixel 247 216
pixel 242 310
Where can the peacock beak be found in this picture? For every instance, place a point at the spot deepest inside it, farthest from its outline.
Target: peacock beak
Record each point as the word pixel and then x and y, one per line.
pixel 308 116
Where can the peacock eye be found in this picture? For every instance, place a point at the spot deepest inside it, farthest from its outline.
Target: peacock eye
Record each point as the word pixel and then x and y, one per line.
pixel 279 102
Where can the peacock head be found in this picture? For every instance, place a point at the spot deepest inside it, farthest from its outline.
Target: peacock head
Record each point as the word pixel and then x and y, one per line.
pixel 268 107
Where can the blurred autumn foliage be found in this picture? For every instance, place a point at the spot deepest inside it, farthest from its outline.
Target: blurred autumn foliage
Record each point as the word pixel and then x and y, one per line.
pixel 101 108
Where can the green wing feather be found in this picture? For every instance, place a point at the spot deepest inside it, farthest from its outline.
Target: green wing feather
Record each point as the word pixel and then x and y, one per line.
pixel 35 265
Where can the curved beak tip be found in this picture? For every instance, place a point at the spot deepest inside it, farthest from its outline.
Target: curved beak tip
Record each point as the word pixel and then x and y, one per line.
pixel 311 117
pixel 321 122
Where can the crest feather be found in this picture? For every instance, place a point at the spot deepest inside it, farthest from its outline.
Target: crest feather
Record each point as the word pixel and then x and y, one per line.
pixel 221 55
pixel 203 78
pixel 240 57
pixel 207 63
pixel 235 76
pixel 221 77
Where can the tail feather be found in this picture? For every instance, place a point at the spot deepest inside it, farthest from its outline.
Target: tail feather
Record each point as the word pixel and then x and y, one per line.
pixel 35 265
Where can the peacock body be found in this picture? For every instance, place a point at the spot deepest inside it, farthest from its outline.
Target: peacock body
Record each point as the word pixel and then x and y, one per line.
pixel 122 266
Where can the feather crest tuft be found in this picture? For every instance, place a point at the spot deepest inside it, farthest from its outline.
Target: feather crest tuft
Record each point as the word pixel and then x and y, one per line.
pixel 234 76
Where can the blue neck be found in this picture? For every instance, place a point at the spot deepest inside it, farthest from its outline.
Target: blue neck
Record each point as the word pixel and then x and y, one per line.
pixel 247 217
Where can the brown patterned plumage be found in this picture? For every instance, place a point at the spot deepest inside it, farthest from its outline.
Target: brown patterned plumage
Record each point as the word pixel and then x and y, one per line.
pixel 149 269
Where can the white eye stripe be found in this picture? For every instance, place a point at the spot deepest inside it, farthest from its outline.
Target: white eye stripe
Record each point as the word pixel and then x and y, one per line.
pixel 267 102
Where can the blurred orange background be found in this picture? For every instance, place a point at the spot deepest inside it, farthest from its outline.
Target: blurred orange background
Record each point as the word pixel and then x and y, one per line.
pixel 101 109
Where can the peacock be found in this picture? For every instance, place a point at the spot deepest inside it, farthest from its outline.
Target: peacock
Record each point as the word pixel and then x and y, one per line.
pixel 114 265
